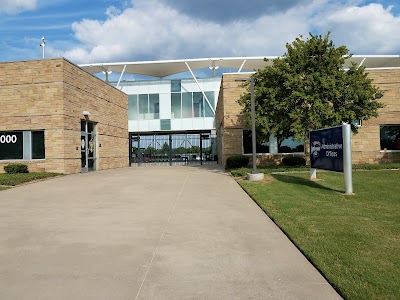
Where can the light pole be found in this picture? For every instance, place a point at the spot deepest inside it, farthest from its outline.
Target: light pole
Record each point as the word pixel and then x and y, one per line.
pixel 253 126
pixel 43 45
pixel 255 175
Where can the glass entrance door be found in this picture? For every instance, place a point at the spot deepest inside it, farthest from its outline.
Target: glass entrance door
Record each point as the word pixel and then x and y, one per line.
pixel 88 146
pixel 84 156
pixel 91 146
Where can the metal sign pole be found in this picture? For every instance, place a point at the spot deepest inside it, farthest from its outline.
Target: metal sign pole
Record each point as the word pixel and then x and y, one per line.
pixel 347 163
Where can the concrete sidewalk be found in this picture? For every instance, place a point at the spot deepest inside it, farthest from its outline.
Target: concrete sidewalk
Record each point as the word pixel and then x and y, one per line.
pixel 147 233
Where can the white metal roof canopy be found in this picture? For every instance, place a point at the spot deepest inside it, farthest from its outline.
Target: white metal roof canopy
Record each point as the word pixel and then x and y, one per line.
pixel 165 68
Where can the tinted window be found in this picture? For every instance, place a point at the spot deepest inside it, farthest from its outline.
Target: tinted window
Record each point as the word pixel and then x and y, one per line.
pixel 132 107
pixel 175 86
pixel 143 106
pixel 186 105
pixel 154 106
pixel 247 144
pixel 38 145
pixel 176 109
pixel 390 137
pixel 290 146
pixel 208 111
pixel 165 124
pixel 11 145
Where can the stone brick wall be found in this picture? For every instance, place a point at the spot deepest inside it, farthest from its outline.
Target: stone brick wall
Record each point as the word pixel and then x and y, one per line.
pixel 51 95
pixel 229 120
pixel 108 108
pixel 365 144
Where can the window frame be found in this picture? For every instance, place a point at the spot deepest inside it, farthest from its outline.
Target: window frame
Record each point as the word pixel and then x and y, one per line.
pixel 27 145
pixel 259 153
pixel 380 140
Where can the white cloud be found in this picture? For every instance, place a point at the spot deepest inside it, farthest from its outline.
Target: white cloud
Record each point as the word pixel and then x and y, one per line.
pixel 16 6
pixel 369 29
pixel 150 30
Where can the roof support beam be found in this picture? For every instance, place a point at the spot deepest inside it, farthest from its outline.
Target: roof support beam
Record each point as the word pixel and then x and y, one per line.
pixel 361 63
pixel 241 67
pixel 120 77
pixel 202 91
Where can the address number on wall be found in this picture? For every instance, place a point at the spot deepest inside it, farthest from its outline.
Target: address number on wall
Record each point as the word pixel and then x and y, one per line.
pixel 8 139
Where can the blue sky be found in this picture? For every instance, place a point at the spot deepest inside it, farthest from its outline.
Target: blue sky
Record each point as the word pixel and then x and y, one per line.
pixel 90 31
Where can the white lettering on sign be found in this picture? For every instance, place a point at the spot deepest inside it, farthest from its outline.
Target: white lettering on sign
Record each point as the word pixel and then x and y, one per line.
pixel 8 139
pixel 332 146
pixel 331 153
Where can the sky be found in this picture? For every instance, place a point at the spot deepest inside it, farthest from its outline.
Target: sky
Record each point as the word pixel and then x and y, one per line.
pixel 100 31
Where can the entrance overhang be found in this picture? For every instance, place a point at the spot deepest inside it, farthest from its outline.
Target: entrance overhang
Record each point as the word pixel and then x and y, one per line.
pixel 164 68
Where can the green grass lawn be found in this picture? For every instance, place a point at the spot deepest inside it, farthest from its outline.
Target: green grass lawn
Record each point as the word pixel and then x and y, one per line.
pixel 16 179
pixel 353 240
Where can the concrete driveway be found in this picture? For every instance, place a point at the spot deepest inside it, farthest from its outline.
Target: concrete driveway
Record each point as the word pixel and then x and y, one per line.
pixel 147 233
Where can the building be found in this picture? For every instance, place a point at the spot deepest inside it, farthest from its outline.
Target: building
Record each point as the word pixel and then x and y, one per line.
pixel 58 117
pixel 172 106
pixel 55 117
pixel 378 139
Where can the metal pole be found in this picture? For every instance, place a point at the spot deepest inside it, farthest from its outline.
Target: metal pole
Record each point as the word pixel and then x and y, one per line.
pixel 201 149
pixel 130 149
pixel 347 163
pixel 170 150
pixel 139 154
pixel 43 45
pixel 253 125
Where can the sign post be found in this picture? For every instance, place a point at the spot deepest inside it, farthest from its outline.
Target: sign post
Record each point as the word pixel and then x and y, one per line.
pixel 330 149
pixel 347 163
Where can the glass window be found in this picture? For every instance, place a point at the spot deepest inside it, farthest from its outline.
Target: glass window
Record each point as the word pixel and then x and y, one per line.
pixel 291 146
pixel 176 109
pixel 91 127
pixel 11 145
pixel 143 106
pixel 247 144
pixel 83 125
pixel 133 107
pixel 187 105
pixel 211 99
pixel 38 145
pixel 154 106
pixel 198 105
pixel 176 86
pixel 390 137
pixel 165 124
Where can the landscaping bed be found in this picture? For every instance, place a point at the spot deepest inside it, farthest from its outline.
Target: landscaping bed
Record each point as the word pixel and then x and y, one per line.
pixel 10 180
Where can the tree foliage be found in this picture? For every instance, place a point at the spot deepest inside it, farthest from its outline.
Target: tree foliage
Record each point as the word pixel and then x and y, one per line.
pixel 308 88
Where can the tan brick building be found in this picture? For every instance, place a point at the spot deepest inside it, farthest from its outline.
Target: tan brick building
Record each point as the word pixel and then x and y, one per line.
pixel 55 117
pixel 370 145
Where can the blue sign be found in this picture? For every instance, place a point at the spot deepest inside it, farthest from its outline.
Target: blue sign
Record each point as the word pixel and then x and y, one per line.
pixel 326 149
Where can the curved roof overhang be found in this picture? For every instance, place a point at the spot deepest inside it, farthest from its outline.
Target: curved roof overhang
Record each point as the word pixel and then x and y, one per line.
pixel 164 68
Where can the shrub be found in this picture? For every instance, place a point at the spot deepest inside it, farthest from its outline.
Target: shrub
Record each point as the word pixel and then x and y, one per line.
pixel 16 168
pixel 294 161
pixel 237 161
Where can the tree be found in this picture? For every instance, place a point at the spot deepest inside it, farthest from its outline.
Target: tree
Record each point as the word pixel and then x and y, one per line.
pixel 308 88
pixel 164 149
pixel 150 150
